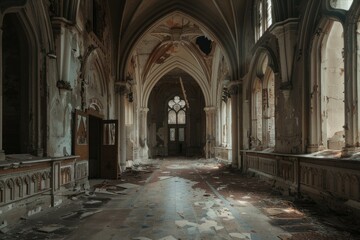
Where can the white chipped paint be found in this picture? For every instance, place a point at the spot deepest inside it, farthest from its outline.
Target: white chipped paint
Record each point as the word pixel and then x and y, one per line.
pixel 240 235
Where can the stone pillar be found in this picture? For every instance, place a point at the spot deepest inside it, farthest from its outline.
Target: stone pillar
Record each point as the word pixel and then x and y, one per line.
pixel 233 90
pixel 352 85
pixel 210 131
pixel 143 147
pixel 120 90
pixel 2 152
pixel 286 34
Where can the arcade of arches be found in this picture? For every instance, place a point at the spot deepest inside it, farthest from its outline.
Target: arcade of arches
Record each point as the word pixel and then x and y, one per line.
pixel 90 88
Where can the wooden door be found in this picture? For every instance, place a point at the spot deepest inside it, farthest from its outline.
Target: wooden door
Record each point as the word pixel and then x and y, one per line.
pixel 81 138
pixel 109 149
pixel 176 142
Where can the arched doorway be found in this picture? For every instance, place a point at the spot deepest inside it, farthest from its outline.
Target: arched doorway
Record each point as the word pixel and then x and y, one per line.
pixel 17 109
pixel 176 120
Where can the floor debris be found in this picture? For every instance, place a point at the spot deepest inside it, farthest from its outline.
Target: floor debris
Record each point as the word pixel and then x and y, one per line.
pixel 128 185
pixel 240 235
pixel 87 214
pixel 50 228
pixel 168 238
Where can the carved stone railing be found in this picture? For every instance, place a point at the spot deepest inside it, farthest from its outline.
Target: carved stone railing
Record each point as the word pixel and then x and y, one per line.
pixel 329 179
pixel 29 184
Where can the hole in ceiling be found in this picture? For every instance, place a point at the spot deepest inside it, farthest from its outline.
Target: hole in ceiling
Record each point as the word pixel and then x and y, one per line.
pixel 204 44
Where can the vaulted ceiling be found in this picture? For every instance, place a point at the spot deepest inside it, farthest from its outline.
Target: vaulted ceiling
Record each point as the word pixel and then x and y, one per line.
pixel 155 30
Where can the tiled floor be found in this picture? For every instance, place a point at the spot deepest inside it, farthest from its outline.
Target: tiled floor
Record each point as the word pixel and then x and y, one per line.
pixel 183 199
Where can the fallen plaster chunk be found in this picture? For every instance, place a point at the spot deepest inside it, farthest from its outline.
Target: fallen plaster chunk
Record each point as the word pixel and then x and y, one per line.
pixel 87 214
pixel 58 202
pixel 164 177
pixel 166 172
pixel 91 202
pixel 240 235
pixel 184 223
pixel 224 213
pixel 206 226
pixel 141 238
pixel 168 238
pixel 285 236
pixel 128 185
pixel 71 214
pixel 104 191
pixel 221 187
pixel 50 228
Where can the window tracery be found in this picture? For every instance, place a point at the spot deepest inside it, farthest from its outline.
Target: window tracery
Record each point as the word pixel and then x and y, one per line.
pixel 176 111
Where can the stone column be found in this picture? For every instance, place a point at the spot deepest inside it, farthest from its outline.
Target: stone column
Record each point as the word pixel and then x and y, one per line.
pixel 143 147
pixel 120 90
pixel 233 90
pixel 2 152
pixel 210 131
pixel 352 85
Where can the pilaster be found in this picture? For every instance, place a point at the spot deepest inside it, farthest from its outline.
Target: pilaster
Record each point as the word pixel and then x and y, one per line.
pixel 143 147
pixel 210 131
pixel 2 152
pixel 120 90
pixel 234 93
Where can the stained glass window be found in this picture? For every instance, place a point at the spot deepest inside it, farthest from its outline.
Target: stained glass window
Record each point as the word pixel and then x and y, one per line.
pixel 176 111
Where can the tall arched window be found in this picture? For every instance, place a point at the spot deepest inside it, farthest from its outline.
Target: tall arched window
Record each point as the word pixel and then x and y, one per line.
pixel 176 111
pixel 264 18
pixel 332 87
pixel 263 107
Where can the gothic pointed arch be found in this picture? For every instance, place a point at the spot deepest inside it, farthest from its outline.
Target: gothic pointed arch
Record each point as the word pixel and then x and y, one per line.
pixel 204 29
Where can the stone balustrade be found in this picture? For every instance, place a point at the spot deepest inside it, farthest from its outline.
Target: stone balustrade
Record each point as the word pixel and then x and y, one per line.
pixel 334 181
pixel 29 184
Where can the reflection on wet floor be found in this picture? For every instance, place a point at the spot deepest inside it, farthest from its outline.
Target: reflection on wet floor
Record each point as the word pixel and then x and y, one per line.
pixel 180 199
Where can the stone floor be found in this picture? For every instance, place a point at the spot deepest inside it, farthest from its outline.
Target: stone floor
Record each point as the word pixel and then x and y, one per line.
pixel 185 199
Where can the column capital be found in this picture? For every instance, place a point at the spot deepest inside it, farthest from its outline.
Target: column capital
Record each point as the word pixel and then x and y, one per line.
pixel 234 87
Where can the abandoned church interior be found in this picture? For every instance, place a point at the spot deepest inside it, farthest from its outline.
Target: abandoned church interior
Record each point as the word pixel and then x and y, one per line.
pixel 187 103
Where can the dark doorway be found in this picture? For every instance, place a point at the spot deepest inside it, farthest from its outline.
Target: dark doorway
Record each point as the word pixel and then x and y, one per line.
pixel 16 89
pixel 94 146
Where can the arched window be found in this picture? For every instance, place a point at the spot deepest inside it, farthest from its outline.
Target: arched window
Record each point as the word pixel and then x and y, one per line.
pixel 176 111
pixel 264 18
pixel 341 4
pixel 263 107
pixel 257 114
pixel 332 88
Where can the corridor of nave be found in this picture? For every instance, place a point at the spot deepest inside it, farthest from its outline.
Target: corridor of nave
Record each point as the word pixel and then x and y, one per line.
pixel 183 199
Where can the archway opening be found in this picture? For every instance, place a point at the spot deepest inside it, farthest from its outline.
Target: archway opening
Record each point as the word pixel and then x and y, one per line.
pixel 263 107
pixel 176 125
pixel 332 88
pixel 16 87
